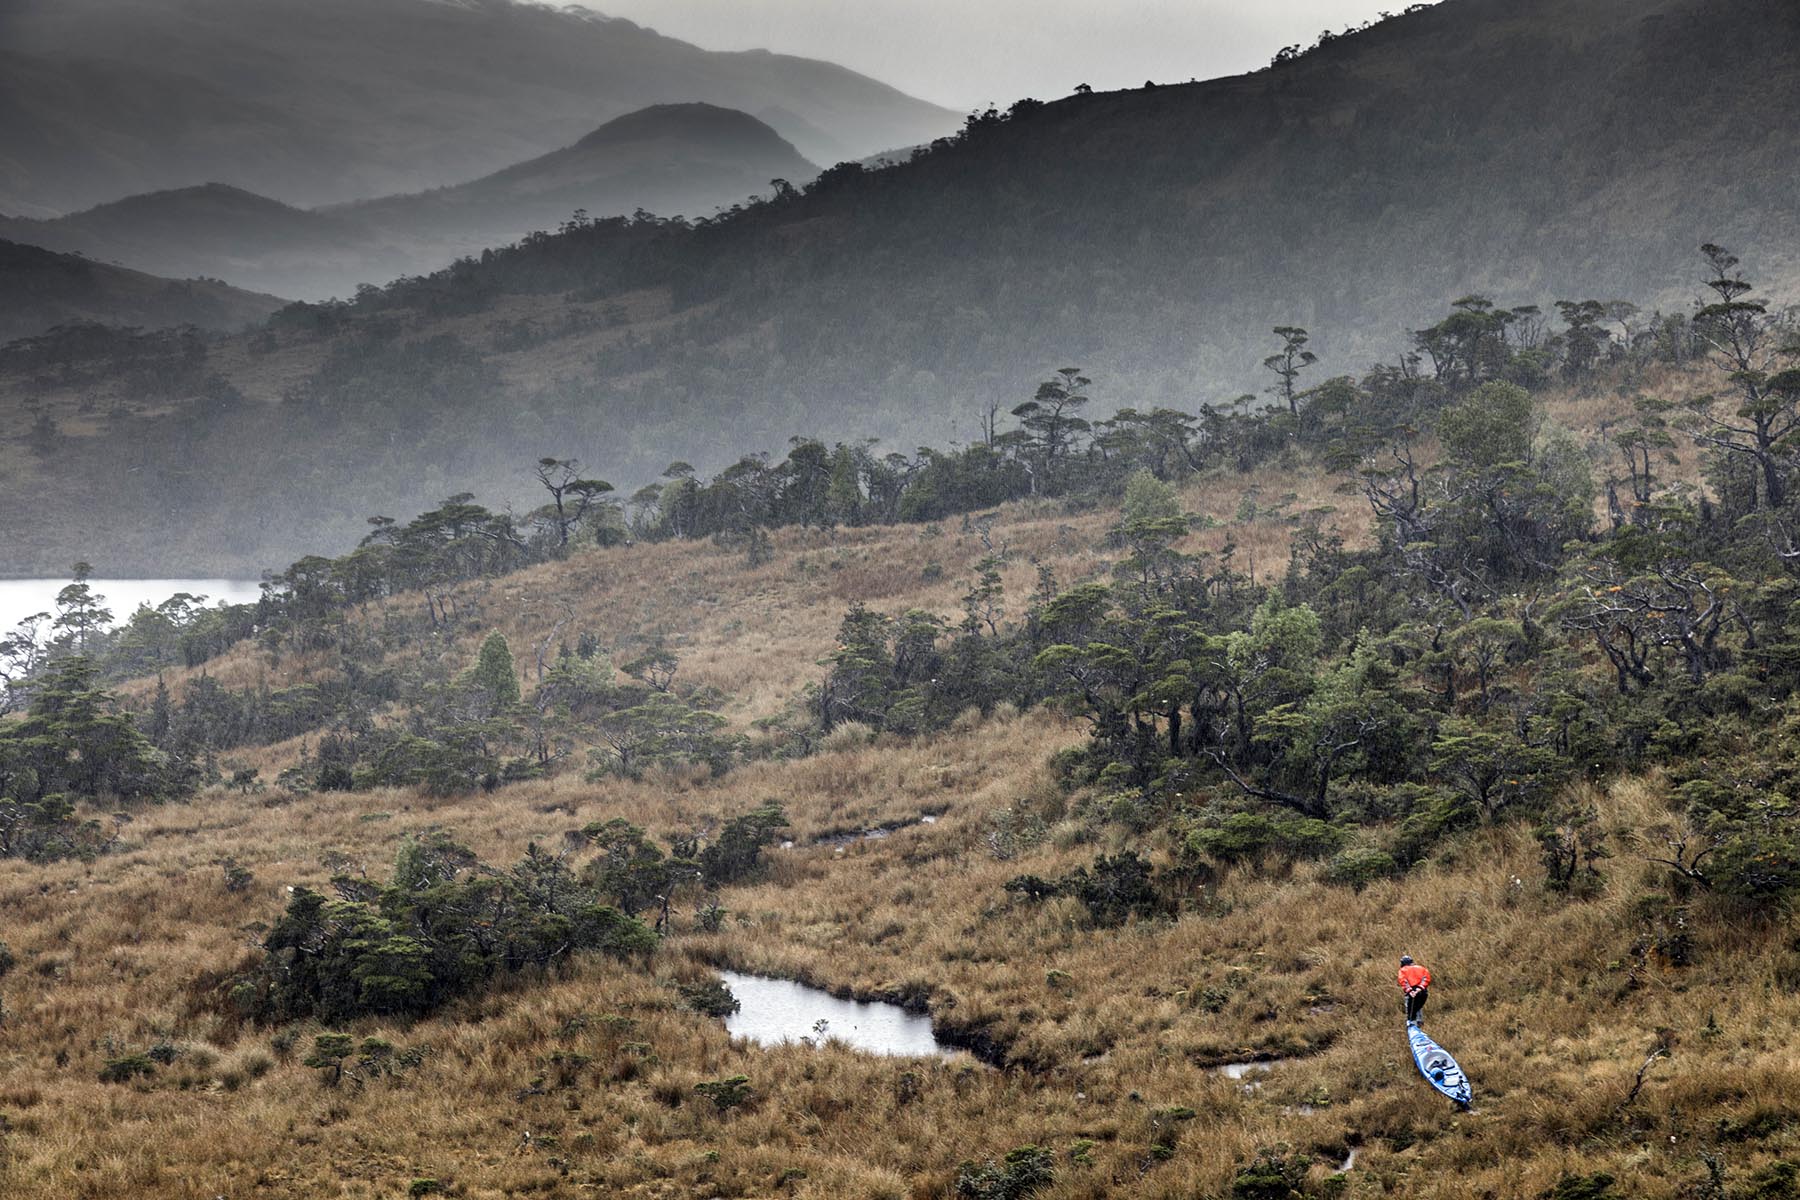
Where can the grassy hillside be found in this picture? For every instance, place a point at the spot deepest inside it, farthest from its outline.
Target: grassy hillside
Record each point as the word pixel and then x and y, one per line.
pixel 322 102
pixel 584 1079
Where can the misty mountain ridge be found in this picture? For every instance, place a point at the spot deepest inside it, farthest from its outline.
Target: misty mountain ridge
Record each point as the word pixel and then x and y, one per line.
pixel 329 101
pixel 40 289
pixel 668 158
pixel 676 158
pixel 694 124
pixel 1525 150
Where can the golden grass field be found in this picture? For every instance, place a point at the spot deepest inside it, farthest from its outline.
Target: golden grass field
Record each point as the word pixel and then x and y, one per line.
pixel 759 634
pixel 1542 999
pixel 583 1084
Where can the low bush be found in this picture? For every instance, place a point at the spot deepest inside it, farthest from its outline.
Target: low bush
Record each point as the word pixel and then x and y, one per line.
pixel 444 926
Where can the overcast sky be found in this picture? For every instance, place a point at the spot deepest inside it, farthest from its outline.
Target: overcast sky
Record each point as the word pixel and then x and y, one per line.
pixel 961 53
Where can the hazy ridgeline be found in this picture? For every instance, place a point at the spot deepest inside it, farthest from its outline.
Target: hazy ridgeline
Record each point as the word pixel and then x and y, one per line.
pixel 671 158
pixel 318 102
pixel 1152 237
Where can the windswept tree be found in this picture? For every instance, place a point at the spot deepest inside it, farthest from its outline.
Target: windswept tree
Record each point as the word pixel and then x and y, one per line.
pixel 1161 441
pixel 1585 340
pixel 1287 363
pixel 81 613
pixel 572 497
pixel 1051 422
pixel 22 653
pixel 1469 345
pixel 1756 422
pixel 1641 440
pixel 844 494
pixel 805 483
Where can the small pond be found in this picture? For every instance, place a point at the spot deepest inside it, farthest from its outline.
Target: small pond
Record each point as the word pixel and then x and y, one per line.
pixel 780 1010
pixel 1260 1066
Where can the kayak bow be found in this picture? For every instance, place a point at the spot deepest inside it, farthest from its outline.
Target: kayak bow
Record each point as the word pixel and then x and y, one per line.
pixel 1436 1065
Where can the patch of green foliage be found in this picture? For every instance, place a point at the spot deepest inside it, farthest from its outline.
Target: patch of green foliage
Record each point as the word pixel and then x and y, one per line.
pixel 1025 1171
pixel 442 927
pixel 1116 889
pixel 710 997
pixel 1274 1174
pixel 726 1094
pixel 74 745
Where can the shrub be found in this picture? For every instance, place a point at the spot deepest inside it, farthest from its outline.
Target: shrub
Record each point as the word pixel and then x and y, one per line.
pixel 329 1052
pixel 1032 887
pixel 1118 888
pixel 1025 1171
pixel 126 1068
pixel 71 745
pixel 1358 868
pixel 1115 890
pixel 1597 1186
pixel 1273 1174
pixel 711 997
pixel 735 853
pixel 726 1094
pixel 1252 837
pixel 1572 844
pixel 238 877
pixel 444 926
pixel 1776 1181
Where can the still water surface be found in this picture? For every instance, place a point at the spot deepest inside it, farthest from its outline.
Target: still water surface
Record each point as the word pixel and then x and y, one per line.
pixel 780 1010
pixel 19 598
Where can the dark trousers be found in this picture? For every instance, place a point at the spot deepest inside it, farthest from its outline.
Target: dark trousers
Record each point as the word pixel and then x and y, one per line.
pixel 1415 1004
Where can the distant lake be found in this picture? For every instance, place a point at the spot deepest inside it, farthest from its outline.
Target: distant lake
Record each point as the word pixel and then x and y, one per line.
pixel 19 598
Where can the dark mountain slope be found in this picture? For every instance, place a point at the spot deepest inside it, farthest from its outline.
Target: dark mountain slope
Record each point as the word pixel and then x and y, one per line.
pixel 1533 151
pixel 669 158
pixel 40 289
pixel 689 158
pixel 225 232
pixel 1529 149
pixel 321 101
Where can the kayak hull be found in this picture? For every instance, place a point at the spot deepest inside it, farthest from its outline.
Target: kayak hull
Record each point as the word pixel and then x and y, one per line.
pixel 1435 1064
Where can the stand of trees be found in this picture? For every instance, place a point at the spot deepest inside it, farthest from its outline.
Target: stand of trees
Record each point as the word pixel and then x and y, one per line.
pixel 1496 641
pixel 444 925
pixel 1494 644
pixel 73 745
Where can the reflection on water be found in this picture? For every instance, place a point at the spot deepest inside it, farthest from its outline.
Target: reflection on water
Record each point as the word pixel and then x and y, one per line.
pixel 19 598
pixel 1237 1070
pixel 780 1010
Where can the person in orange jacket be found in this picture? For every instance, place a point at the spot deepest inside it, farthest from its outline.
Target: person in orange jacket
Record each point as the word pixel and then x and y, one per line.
pixel 1414 982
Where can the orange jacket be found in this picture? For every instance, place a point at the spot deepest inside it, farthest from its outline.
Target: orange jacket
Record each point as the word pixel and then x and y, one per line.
pixel 1414 977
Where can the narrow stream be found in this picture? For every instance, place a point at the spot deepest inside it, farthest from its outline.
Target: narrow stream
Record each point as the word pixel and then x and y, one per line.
pixel 1250 1072
pixel 772 1011
pixel 842 841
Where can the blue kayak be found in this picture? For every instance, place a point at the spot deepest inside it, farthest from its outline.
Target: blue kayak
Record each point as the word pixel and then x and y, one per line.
pixel 1436 1065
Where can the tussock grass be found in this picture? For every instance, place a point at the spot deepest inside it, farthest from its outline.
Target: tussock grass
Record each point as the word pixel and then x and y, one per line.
pixel 1539 996
pixel 582 1083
